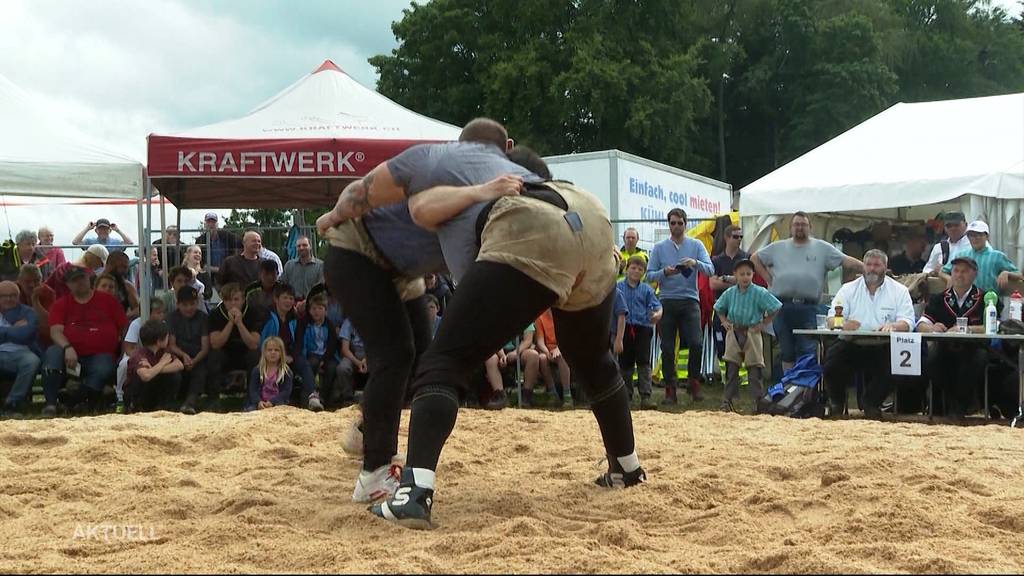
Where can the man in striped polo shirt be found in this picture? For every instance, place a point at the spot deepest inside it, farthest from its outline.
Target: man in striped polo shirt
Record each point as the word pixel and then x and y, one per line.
pixel 995 270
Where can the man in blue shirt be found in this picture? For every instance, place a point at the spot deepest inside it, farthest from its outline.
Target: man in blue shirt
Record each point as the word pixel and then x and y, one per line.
pixel 674 264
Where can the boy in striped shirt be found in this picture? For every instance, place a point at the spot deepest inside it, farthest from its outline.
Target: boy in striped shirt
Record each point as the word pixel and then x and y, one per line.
pixel 744 310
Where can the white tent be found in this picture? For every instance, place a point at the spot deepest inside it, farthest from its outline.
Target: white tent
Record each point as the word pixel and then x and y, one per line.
pixel 907 163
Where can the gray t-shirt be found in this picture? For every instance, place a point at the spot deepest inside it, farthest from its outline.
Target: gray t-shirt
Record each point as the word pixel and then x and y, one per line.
pixel 463 164
pixel 798 271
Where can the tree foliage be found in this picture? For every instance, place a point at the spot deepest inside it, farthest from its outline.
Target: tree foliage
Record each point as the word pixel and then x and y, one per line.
pixel 645 76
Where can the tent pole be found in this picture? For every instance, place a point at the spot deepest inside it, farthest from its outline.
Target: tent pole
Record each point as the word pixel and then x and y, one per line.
pixel 144 249
pixel 164 264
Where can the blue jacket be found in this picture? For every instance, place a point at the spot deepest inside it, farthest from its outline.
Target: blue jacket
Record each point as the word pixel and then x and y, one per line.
pixel 284 390
pixel 24 335
pixel 273 328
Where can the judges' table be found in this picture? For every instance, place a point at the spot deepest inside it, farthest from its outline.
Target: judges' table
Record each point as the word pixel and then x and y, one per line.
pixel 822 335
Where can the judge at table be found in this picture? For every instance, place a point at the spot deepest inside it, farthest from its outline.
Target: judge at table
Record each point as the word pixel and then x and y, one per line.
pixel 873 303
pixel 954 367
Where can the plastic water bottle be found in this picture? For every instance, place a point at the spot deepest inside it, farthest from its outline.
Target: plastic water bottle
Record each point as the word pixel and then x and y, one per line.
pixel 991 316
pixel 1016 305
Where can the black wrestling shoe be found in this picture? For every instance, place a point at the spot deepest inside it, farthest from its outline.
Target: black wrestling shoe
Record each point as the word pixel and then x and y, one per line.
pixel 621 480
pixel 410 505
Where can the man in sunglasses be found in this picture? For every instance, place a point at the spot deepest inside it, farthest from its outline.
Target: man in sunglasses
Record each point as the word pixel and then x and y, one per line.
pixel 723 279
pixel 957 241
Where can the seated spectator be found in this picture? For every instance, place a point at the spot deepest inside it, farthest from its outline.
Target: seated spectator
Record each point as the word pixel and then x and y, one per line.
pixel 86 328
pixel 156 278
pixel 129 344
pixel 54 256
pixel 527 354
pixel 644 312
pixel 234 339
pixel 954 367
pixel 282 321
pixel 320 346
pixel 873 302
pixel 995 270
pixel 270 382
pixel 154 373
pixel 180 277
pixel 268 254
pixel 492 371
pixel 202 280
pixel 103 228
pixel 911 260
pixel 305 271
pixel 744 310
pixel 353 361
pixel 243 269
pixel 19 358
pixel 439 288
pixel 94 258
pixel 39 297
pixel 26 252
pixel 434 309
pixel 547 346
pixel 261 293
pixel 125 292
pixel 190 341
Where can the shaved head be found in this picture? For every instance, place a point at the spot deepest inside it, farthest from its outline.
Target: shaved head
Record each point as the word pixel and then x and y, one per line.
pixel 486 131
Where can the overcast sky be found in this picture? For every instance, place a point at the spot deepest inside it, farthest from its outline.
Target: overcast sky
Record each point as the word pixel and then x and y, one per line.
pixel 121 69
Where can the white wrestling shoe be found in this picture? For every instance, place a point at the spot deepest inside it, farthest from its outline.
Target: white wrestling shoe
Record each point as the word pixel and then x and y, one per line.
pixel 377 485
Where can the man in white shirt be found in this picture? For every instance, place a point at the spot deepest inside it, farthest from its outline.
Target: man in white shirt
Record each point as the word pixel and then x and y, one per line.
pixel 956 231
pixel 876 303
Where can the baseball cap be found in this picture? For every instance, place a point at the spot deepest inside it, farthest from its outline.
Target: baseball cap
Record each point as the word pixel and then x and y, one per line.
pixel 744 262
pixel 102 222
pixel 74 273
pixel 964 260
pixel 211 216
pixel 99 251
pixel 978 226
pixel 954 217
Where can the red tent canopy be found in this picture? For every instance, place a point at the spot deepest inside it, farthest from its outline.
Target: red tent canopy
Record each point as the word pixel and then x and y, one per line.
pixel 297 149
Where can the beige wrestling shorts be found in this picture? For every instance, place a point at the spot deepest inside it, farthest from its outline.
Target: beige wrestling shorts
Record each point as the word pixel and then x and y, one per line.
pixel 351 235
pixel 573 258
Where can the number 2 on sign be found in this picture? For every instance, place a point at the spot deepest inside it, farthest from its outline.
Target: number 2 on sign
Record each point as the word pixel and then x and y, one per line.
pixel 905 353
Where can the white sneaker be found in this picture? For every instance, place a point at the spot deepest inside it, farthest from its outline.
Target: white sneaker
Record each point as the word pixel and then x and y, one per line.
pixel 377 485
pixel 352 442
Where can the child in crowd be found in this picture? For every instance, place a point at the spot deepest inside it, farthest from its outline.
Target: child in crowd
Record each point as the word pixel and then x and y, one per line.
pixel 153 372
pixel 190 341
pixel 128 346
pixel 547 346
pixel 618 326
pixel 644 311
pixel 270 383
pixel 744 310
pixel 528 355
pixel 180 276
pixel 107 283
pixel 434 308
pixel 320 345
pixel 353 360
pixel 282 321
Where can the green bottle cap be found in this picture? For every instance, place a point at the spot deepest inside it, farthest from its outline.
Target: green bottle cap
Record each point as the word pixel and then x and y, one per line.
pixel 991 298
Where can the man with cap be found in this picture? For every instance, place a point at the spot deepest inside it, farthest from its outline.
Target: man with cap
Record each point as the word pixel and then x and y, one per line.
pixel 94 258
pixel 955 366
pixel 995 270
pixel 103 227
pixel 956 225
pixel 86 327
pixel 221 243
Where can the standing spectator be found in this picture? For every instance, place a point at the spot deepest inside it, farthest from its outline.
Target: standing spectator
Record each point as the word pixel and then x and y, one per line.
pixel 434 311
pixel 127 295
pixel 995 270
pixel 27 253
pixel 53 255
pixel 673 264
pixel 875 303
pixel 547 347
pixel 234 339
pixel 795 270
pixel 353 360
pixel 956 240
pixel 644 312
pixel 86 328
pixel 319 346
pixel 629 249
pixel 202 281
pixel 222 243
pixel 94 258
pixel 39 297
pixel 724 279
pixel 172 238
pixel 744 310
pixel 282 322
pixel 270 382
pixel 243 269
pixel 157 275
pixel 154 373
pixel 303 272
pixel 103 228
pixel 911 260
pixel 618 326
pixel 438 287
pixel 190 341
pixel 18 355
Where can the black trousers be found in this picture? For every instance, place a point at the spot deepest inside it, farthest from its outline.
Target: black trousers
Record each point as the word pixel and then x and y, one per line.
pixel 636 355
pixel 223 360
pixel 194 381
pixel 844 358
pixel 393 333
pixel 680 317
pixel 160 393
pixel 956 370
